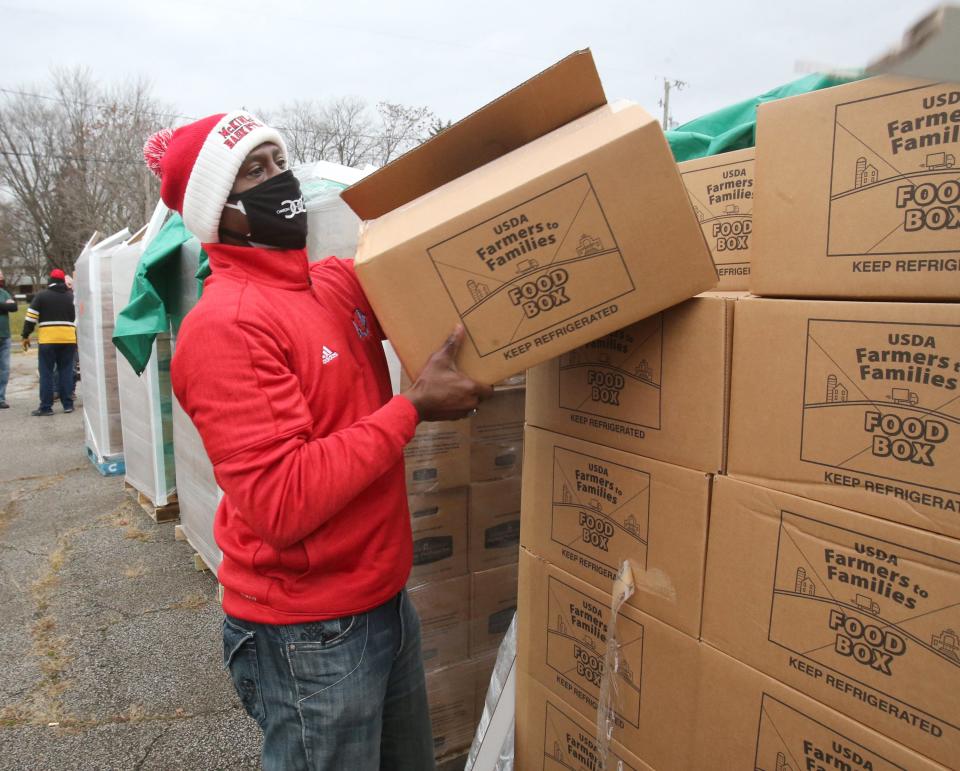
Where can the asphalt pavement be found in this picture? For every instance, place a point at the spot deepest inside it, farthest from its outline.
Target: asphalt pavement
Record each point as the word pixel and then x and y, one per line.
pixel 110 648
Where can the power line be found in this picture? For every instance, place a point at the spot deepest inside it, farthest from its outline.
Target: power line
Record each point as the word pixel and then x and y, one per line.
pixel 100 105
pixel 75 158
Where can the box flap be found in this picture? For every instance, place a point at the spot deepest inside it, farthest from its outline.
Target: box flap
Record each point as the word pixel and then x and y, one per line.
pixel 566 91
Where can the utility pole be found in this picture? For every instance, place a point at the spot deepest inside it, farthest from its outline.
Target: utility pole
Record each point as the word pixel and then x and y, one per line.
pixel 665 101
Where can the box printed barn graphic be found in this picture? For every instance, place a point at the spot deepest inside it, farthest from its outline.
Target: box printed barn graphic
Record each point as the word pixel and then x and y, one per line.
pixel 788 740
pixel 576 644
pixel 622 368
pixel 883 398
pixel 895 168
pixel 511 276
pixel 601 510
pixel 884 615
pixel 568 745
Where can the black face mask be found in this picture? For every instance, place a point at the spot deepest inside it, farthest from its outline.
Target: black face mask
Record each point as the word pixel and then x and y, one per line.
pixel 275 212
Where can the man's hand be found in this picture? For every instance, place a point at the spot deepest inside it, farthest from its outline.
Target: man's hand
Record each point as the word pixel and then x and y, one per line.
pixel 441 392
pixel 25 342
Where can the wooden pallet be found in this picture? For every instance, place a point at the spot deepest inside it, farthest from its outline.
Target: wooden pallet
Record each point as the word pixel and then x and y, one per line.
pixel 200 565
pixel 159 514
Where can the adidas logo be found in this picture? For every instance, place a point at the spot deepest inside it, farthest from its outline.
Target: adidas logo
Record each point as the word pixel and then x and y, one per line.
pixel 329 355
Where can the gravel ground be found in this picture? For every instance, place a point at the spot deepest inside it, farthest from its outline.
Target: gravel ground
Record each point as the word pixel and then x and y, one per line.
pixel 110 647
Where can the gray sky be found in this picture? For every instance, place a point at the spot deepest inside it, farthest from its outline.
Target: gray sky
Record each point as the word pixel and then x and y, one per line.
pixel 205 56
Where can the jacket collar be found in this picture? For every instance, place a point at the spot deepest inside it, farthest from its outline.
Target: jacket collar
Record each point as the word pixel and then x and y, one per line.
pixel 284 269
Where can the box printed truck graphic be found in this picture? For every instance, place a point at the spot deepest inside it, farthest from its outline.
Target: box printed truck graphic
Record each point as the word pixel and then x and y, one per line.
pixel 866 604
pixel 621 368
pixel 789 740
pixel 894 176
pixel 882 614
pixel 936 161
pixel 883 399
pixel 528 269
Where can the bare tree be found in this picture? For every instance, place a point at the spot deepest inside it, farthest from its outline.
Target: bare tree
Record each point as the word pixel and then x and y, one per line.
pixel 71 163
pixel 401 128
pixel 308 135
pixel 437 125
pixel 351 131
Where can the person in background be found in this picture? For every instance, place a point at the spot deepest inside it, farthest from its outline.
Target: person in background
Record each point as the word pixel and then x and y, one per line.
pixel 53 314
pixel 8 305
pixel 280 367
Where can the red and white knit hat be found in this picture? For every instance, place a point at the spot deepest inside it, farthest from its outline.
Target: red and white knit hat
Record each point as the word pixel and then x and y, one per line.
pixel 197 165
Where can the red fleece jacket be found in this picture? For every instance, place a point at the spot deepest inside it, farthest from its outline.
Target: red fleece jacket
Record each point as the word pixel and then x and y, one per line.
pixel 281 369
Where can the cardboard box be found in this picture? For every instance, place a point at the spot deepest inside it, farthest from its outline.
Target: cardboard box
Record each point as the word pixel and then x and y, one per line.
pixel 588 508
pixel 748 720
pixel 563 629
pixel 444 609
pixel 857 192
pixel 657 388
pixel 438 456
pixel 496 431
pixel 451 693
pixel 551 736
pixel 493 521
pixel 854 404
pixel 539 222
pixel 439 522
pixel 858 613
pixel 721 191
pixel 493 602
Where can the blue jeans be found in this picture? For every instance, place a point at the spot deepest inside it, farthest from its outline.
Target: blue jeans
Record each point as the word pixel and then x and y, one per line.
pixel 4 367
pixel 59 357
pixel 337 695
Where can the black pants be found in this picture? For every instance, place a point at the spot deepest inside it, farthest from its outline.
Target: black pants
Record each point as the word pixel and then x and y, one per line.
pixel 56 361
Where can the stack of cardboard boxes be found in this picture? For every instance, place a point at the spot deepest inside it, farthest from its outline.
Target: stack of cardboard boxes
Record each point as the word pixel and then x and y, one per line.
pixel 463 480
pixel 833 565
pixel 623 437
pixel 818 626
pixel 521 224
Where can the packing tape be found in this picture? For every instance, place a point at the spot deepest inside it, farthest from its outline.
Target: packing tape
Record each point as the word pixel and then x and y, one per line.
pixel 655 581
pixel 623 588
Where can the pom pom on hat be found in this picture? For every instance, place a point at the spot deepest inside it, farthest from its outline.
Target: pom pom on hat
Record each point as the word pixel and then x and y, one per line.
pixel 155 148
pixel 198 163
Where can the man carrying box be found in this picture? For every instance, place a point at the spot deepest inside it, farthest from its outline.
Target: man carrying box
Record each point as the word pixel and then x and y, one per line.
pixel 280 367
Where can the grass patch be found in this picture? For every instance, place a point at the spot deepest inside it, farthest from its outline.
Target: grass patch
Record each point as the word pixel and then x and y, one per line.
pixel 134 533
pixel 16 320
pixel 191 601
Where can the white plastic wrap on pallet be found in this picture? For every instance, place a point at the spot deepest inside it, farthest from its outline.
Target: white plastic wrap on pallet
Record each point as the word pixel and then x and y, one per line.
pixel 493 747
pixel 93 297
pixel 332 227
pixel 197 490
pixel 145 400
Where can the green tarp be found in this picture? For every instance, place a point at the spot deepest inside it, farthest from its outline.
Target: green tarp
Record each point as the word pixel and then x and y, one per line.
pixel 155 296
pixel 734 127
